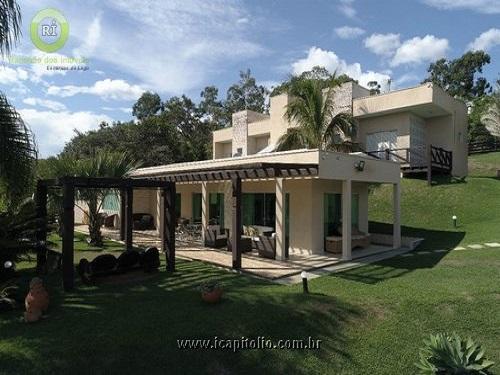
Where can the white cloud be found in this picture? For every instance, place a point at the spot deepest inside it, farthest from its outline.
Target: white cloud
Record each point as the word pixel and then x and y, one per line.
pixel 50 104
pixel 92 38
pixel 329 60
pixel 10 76
pixel 382 44
pixel 173 46
pixel 407 79
pixel 348 32
pixel 346 7
pixel 418 50
pixel 126 110
pixel 116 89
pixel 480 6
pixel 54 129
pixel 486 40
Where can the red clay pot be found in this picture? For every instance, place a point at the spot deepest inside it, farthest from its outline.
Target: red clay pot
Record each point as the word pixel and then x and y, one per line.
pixel 212 297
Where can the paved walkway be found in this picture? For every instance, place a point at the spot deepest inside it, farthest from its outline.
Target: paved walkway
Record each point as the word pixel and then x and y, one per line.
pixel 486 245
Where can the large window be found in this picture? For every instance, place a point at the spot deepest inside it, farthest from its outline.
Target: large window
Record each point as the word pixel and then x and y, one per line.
pixel 333 213
pixel 216 209
pixel 196 208
pixel 259 209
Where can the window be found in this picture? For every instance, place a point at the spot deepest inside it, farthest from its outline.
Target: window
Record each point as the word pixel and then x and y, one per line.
pixel 178 202
pixel 216 209
pixel 111 202
pixel 196 213
pixel 333 213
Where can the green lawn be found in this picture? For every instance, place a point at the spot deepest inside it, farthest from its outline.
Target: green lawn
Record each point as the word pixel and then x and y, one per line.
pixel 371 320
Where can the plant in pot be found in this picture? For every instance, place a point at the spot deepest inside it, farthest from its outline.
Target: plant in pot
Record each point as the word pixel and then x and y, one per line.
pixel 211 291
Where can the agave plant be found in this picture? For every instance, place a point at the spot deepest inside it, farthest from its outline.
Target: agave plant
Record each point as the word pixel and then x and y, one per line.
pixel 450 354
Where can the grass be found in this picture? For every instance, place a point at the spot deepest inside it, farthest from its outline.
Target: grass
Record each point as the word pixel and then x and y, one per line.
pixel 371 320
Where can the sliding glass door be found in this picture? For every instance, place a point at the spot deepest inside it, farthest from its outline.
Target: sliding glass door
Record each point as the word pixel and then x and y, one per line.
pixel 333 213
pixel 216 209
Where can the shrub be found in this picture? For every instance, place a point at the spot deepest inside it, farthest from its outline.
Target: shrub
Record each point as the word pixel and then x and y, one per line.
pixel 450 354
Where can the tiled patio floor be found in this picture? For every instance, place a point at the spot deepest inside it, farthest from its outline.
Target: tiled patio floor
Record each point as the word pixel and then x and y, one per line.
pixel 251 262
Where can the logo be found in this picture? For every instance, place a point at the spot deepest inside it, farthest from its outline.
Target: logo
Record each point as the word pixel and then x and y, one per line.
pixel 49 30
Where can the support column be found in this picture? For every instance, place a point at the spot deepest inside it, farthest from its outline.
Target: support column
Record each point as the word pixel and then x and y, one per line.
pixel 204 209
pixel 129 222
pixel 168 233
pixel 280 220
pixel 346 219
pixel 68 222
pixel 396 195
pixel 160 212
pixel 122 214
pixel 236 223
pixel 41 233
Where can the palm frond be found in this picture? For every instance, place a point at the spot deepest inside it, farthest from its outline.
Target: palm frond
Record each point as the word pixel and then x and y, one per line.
pixel 10 25
pixel 293 139
pixel 19 154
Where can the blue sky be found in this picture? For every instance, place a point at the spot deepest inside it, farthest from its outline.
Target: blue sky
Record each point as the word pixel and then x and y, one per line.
pixel 180 46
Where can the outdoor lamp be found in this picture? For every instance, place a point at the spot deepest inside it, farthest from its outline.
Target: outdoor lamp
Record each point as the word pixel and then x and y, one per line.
pixel 454 217
pixel 305 288
pixel 359 165
pixel 8 264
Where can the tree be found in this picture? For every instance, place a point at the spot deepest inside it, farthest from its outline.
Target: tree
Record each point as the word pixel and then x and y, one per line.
pixel 491 118
pixel 10 25
pixel 318 124
pixel 18 155
pixel 245 94
pixel 212 109
pixel 194 134
pixel 149 104
pixel 476 128
pixel 458 77
pixel 317 73
pixel 103 164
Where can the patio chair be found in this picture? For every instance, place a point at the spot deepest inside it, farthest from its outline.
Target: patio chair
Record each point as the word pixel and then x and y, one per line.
pixel 214 237
pixel 246 243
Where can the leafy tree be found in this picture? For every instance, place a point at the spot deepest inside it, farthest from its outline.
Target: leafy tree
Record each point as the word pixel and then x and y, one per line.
pixel 19 154
pixel 149 104
pixel 102 164
pixel 477 129
pixel 458 76
pixel 245 94
pixel 318 124
pixel 491 117
pixel 194 134
pixel 10 25
pixel 212 109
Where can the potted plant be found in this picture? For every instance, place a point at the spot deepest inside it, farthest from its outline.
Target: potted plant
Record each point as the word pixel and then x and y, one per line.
pixel 211 291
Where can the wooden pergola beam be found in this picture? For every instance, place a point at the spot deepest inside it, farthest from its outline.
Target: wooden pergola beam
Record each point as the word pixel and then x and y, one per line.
pixel 68 234
pixel 129 221
pixel 236 223
pixel 168 233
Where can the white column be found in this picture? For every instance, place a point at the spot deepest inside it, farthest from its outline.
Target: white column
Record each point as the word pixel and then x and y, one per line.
pixel 204 209
pixel 280 220
pixel 396 195
pixel 160 212
pixel 346 219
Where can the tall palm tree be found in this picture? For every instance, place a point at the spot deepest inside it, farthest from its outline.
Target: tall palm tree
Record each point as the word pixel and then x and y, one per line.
pixel 103 164
pixel 491 118
pixel 312 108
pixel 17 147
pixel 18 155
pixel 10 25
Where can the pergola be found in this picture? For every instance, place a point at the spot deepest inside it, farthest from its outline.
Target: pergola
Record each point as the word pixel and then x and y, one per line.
pixel 126 187
pixel 166 183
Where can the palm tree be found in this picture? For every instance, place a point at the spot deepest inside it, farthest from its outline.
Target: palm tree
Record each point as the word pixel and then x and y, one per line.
pixel 19 154
pixel 103 164
pixel 10 25
pixel 312 108
pixel 17 147
pixel 491 118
